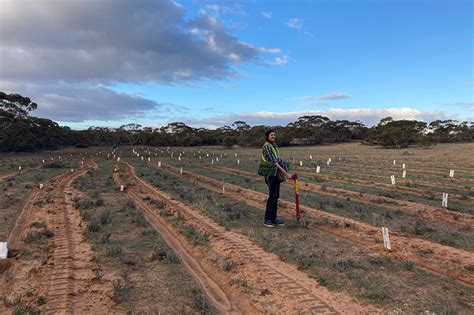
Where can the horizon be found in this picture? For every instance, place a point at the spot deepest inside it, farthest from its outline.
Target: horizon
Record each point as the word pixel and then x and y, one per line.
pixel 211 63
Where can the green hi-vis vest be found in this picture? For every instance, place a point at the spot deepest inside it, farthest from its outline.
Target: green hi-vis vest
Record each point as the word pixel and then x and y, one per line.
pixel 275 151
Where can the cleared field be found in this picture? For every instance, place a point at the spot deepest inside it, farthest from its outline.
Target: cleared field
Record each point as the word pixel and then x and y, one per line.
pixel 186 235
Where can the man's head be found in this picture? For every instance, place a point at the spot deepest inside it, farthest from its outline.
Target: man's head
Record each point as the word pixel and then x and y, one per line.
pixel 270 135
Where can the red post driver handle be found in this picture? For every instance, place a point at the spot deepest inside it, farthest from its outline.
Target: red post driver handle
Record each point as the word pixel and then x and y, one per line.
pixel 297 199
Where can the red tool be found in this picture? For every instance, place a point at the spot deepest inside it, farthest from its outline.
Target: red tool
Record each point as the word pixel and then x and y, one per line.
pixel 297 199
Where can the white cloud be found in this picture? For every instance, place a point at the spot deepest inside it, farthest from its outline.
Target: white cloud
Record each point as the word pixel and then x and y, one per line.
pixel 280 60
pixel 295 23
pixel 334 96
pixel 368 116
pixel 218 10
pixel 327 97
pixel 267 14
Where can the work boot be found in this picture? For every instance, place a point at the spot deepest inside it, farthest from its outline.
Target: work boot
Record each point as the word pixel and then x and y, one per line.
pixel 269 224
pixel 279 222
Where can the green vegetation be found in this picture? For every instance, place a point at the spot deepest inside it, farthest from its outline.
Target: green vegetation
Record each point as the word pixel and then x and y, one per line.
pixel 142 265
pixel 20 132
pixel 337 264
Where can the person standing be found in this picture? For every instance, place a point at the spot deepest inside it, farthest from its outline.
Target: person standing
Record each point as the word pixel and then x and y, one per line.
pixel 270 166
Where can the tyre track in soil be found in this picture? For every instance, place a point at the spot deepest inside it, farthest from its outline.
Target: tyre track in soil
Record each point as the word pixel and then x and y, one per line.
pixel 421 210
pixel 305 294
pixel 438 259
pixel 19 229
pixel 71 255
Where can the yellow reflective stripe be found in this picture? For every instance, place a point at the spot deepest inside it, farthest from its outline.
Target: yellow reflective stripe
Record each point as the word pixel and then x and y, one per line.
pixel 275 151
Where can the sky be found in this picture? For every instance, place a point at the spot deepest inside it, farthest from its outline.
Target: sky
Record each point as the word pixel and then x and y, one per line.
pixel 211 63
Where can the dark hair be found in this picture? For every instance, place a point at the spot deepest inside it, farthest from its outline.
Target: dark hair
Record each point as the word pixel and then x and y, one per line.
pixel 268 132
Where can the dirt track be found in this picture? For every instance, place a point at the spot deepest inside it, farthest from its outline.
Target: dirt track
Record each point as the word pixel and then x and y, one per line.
pixel 291 290
pixel 442 260
pixel 66 277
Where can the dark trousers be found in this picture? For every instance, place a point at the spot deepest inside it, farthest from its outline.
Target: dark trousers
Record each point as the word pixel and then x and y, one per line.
pixel 273 194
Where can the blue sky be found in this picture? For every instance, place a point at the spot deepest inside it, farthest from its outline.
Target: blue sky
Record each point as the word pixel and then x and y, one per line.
pixel 356 60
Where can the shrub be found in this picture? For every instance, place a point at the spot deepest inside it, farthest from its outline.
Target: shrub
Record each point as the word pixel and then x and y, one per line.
pixel 55 164
pixel 105 238
pixel 121 288
pixel 37 236
pixel 105 217
pixel 37 224
pixel 347 265
pixel 93 226
pixel 83 203
pixel 163 253
pixel 227 264
pixel 99 202
pixel 196 237
pixel 114 251
pixel 304 261
pixel 201 302
pixel 30 310
pixel 408 265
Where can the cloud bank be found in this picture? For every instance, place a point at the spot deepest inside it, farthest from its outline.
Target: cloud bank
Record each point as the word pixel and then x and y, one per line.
pixel 62 53
pixel 112 40
pixel 368 116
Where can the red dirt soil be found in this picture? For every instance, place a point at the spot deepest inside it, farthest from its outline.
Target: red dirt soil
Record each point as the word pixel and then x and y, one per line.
pixel 441 259
pixel 281 287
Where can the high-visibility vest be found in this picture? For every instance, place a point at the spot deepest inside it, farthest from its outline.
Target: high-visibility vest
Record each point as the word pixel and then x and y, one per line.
pixel 275 151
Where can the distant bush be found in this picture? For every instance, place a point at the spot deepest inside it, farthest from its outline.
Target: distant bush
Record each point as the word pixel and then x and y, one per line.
pixel 55 164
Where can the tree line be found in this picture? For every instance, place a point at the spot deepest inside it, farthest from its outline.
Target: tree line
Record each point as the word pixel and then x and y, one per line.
pixel 20 132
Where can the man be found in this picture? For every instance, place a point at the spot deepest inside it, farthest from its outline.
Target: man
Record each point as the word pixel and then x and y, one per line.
pixel 271 158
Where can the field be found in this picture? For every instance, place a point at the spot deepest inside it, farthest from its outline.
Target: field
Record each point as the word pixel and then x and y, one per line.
pixel 186 233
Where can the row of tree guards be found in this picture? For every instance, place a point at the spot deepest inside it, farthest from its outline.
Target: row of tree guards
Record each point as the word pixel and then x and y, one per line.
pixel 444 202
pixel 385 231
